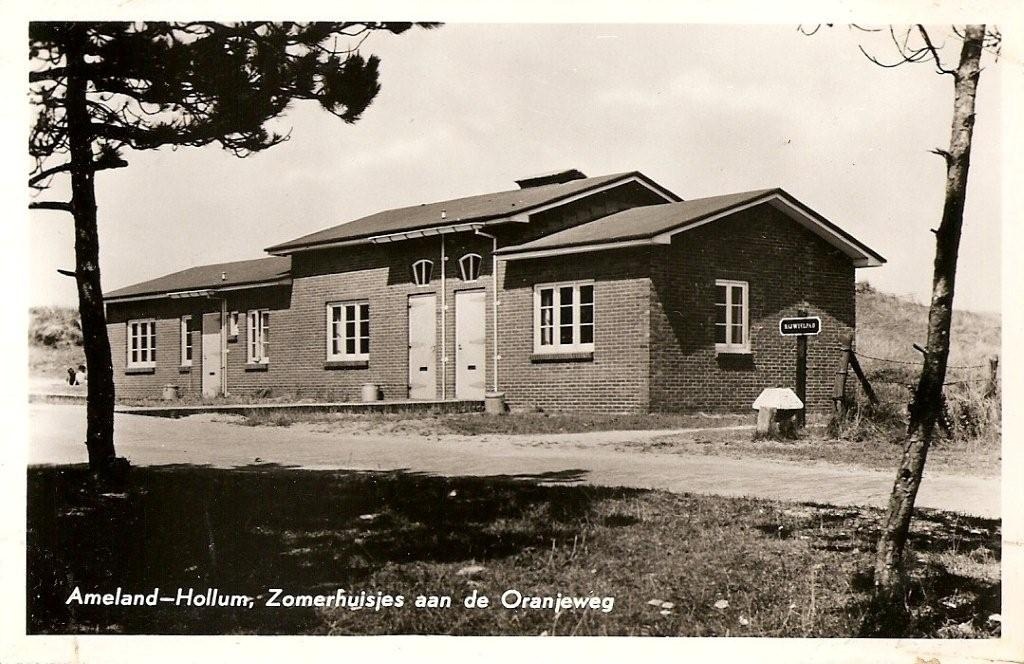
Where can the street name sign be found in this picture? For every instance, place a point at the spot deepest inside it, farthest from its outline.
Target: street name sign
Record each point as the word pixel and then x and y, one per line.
pixel 800 327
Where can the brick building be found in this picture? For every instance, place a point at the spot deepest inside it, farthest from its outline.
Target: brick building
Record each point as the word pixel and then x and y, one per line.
pixel 606 294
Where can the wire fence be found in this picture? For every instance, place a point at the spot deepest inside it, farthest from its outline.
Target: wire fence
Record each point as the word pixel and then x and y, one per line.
pixel 911 385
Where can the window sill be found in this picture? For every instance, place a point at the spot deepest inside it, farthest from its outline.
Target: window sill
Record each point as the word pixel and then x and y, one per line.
pixel 135 371
pixel 347 364
pixel 185 368
pixel 578 356
pixel 733 351
pixel 262 366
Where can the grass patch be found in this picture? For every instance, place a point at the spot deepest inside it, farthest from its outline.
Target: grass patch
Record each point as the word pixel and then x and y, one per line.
pixel 979 457
pixel 728 567
pixel 476 424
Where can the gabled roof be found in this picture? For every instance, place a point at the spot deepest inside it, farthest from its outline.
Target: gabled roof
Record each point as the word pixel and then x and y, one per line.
pixel 656 224
pixel 480 208
pixel 239 274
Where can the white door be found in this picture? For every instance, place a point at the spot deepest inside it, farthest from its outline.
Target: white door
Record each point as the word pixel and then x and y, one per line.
pixel 470 351
pixel 422 347
pixel 211 355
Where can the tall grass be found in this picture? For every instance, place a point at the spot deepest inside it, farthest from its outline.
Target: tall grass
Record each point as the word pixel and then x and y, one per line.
pixel 888 326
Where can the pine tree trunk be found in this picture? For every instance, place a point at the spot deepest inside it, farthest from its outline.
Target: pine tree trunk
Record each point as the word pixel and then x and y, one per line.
pixel 100 401
pixel 927 405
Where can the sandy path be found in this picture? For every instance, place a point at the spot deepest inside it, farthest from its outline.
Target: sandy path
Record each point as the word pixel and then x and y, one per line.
pixel 594 458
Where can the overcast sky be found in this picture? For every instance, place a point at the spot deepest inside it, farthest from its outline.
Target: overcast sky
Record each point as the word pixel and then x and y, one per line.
pixel 466 109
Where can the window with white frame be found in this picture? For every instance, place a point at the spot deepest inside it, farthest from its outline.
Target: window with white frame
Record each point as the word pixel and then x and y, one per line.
pixel 563 317
pixel 732 328
pixel 142 344
pixel 469 266
pixel 421 272
pixel 233 324
pixel 186 341
pixel 259 336
pixel 348 331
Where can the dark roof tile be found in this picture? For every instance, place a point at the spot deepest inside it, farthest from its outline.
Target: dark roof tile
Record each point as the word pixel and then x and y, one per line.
pixel 237 273
pixel 458 210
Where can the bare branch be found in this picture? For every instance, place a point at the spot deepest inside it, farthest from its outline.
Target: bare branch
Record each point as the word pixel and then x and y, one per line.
pixel 935 53
pixel 104 163
pixel 902 61
pixel 50 205
pixel 52 74
pixel 943 153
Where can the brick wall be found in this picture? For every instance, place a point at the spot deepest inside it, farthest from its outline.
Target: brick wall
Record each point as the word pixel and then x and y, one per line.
pixel 787 268
pixel 168 370
pixel 615 380
pixel 654 313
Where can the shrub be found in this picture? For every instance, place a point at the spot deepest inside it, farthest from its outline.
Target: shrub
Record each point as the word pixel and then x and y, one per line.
pixel 54 327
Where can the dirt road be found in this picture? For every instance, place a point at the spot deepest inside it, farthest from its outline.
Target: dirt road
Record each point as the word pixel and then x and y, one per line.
pixel 594 458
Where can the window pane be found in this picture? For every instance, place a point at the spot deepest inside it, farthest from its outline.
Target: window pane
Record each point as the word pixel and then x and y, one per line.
pixel 586 334
pixel 364 312
pixel 364 328
pixel 565 295
pixel 720 295
pixel 586 294
pixel 350 329
pixel 335 314
pixel 565 310
pixel 586 314
pixel 737 334
pixel 350 346
pixel 720 334
pixel 565 335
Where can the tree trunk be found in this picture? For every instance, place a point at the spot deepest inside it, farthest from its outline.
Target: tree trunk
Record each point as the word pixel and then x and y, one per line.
pixel 927 405
pixel 99 438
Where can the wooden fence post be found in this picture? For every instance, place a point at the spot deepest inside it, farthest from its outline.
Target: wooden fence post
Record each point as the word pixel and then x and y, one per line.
pixel 839 388
pixel 863 379
pixel 993 377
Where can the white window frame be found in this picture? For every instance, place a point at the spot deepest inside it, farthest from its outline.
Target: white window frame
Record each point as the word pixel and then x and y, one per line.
pixel 149 352
pixel 233 324
pixel 257 346
pixel 557 346
pixel 463 263
pixel 343 355
pixel 416 279
pixel 187 352
pixel 731 345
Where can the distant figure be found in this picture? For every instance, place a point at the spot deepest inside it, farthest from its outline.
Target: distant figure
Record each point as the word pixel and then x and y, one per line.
pixel 80 375
pixel 71 376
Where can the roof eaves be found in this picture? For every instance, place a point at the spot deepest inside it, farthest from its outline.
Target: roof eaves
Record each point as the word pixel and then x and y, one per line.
pixel 156 294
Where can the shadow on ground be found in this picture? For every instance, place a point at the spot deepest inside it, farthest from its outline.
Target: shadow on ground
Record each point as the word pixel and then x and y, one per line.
pixel 246 529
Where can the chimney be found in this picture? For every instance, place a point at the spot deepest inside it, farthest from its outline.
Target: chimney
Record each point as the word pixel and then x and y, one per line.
pixel 555 177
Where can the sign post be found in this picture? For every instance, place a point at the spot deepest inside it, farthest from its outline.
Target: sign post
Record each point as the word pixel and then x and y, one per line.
pixel 801 327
